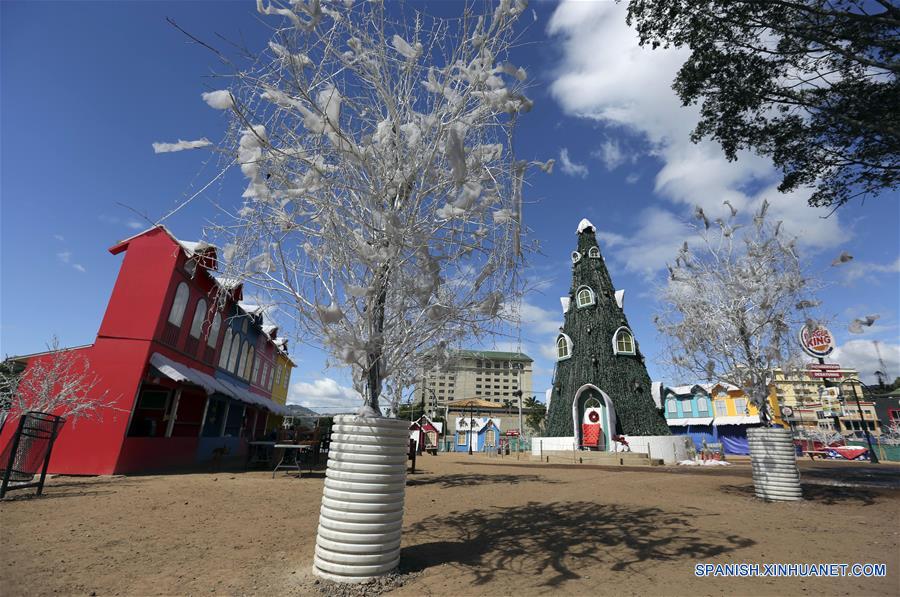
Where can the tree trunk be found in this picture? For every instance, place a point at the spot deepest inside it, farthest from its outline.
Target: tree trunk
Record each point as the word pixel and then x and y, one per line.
pixel 760 396
pixel 374 359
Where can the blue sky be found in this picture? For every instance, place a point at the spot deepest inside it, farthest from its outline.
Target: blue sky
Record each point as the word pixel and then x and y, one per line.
pixel 88 87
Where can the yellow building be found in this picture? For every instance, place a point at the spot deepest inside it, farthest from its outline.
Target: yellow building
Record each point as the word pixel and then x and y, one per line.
pixel 814 404
pixel 850 420
pixel 797 388
pixel 811 417
pixel 283 367
pixel 730 403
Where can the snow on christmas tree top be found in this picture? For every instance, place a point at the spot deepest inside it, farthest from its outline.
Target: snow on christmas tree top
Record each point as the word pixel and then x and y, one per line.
pixel 584 224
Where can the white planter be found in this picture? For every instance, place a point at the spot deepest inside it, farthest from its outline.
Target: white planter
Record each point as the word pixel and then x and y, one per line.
pixel 774 464
pixel 362 504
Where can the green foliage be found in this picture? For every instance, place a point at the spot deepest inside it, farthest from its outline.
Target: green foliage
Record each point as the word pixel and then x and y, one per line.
pixel 887 387
pixel 411 412
pixel 811 83
pixel 624 378
pixel 10 371
pixel 537 412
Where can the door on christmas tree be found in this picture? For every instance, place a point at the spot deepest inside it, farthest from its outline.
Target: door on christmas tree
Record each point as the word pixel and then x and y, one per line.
pixel 594 419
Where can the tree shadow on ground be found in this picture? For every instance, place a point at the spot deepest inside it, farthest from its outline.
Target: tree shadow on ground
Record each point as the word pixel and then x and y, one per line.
pixel 561 538
pixel 30 493
pixel 829 495
pixel 462 480
pixel 874 477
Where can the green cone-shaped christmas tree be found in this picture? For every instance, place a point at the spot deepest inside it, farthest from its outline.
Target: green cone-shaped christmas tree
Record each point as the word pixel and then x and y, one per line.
pixel 600 376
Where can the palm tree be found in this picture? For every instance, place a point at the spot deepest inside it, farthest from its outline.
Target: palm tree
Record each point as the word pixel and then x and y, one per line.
pixel 537 411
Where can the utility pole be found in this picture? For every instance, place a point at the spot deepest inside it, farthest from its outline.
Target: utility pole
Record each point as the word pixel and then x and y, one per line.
pixel 873 457
pixel 881 374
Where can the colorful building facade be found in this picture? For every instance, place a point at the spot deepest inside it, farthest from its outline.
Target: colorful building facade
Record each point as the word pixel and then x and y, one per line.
pixel 864 418
pixel 482 433
pixel 798 388
pixel 281 381
pixel 714 413
pixel 426 434
pixel 186 369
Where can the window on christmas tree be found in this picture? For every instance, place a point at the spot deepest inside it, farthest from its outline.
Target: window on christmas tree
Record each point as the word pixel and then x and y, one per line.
pixel 584 297
pixel 563 347
pixel 623 341
pixel 576 256
pixel 594 252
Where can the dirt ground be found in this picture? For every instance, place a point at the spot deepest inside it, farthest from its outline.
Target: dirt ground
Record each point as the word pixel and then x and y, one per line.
pixel 473 525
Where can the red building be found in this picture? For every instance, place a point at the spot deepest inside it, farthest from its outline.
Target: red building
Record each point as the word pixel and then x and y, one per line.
pixel 187 367
pixel 426 433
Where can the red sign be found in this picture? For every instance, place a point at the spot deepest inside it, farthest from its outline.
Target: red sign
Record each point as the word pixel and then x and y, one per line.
pixel 816 342
pixel 823 366
pixel 512 433
pixel 825 374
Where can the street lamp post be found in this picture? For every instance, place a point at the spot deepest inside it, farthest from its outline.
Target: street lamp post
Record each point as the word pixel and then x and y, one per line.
pixel 434 401
pixel 471 424
pixel 518 367
pixel 873 457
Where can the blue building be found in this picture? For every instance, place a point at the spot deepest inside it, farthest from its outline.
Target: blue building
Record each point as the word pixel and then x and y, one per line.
pixel 716 413
pixel 689 411
pixel 483 433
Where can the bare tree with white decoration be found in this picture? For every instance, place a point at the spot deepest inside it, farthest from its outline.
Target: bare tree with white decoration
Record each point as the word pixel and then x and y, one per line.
pixel 733 305
pixel 384 200
pixel 59 382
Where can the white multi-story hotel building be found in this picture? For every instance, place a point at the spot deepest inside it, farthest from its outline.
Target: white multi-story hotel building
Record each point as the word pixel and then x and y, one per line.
pixel 488 375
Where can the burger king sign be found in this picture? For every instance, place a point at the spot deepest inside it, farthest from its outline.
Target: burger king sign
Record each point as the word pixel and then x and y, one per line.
pixel 817 342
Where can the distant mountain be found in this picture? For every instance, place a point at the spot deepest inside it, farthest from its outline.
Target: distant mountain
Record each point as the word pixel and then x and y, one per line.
pixel 301 411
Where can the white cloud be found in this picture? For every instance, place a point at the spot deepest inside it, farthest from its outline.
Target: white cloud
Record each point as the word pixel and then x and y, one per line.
pixel 862 356
pixel 66 258
pixel 325 394
pixel 604 75
pixel 611 239
pixel 539 330
pixel 181 145
pixel 632 178
pixel 537 325
pixel 659 235
pixel 542 321
pixel 807 224
pixel 116 220
pixel 59 237
pixel 612 155
pixel 548 351
pixel 569 167
pixel 868 271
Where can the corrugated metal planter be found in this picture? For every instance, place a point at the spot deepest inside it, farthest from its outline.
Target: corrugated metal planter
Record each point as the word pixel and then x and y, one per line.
pixel 774 461
pixel 362 506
